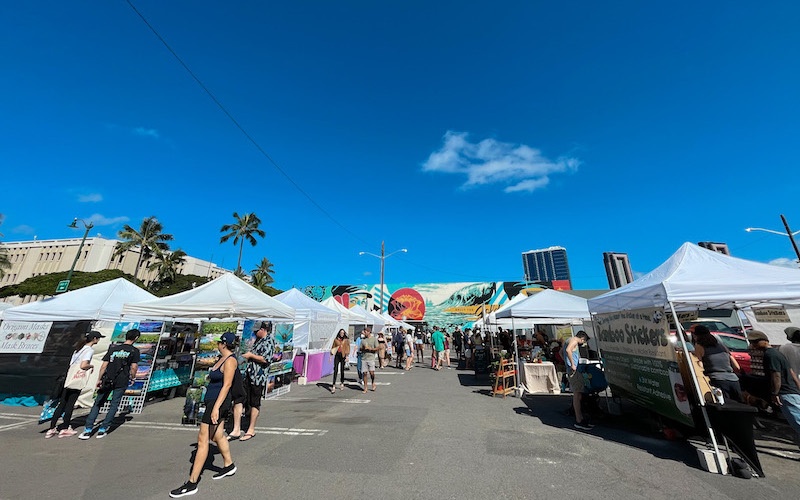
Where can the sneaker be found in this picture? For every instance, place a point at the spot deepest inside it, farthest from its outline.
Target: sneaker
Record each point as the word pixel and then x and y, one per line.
pixel 225 472
pixel 583 426
pixel 68 432
pixel 86 434
pixel 188 488
pixel 50 433
pixel 101 433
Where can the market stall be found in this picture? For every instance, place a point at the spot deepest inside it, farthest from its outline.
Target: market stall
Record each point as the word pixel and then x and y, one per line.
pixel 314 325
pixel 50 327
pixel 642 362
pixel 353 321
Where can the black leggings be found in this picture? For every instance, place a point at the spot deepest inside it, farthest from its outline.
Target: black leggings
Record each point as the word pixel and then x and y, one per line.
pixel 66 404
pixel 338 364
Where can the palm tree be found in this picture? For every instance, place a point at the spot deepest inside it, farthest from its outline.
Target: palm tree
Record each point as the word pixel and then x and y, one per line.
pixel 244 228
pixel 262 275
pixel 5 263
pixel 149 238
pixel 166 265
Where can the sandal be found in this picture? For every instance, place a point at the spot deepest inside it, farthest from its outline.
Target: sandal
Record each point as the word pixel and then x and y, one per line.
pixel 333 390
pixel 230 437
pixel 247 437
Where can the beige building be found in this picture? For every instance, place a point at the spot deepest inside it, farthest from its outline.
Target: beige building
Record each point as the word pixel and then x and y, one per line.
pixel 37 257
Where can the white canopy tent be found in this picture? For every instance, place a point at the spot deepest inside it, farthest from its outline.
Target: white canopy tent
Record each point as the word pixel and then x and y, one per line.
pixel 349 316
pixel 314 323
pixel 546 305
pixel 103 301
pixel 377 322
pixel 224 297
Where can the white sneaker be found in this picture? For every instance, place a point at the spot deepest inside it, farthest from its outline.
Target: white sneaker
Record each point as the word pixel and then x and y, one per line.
pixel 50 433
pixel 68 432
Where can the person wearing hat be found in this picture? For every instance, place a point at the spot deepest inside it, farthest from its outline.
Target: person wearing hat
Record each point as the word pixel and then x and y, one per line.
pixel 572 360
pixel 218 401
pixel 792 349
pixel 783 381
pixel 84 350
pixel 118 371
pixel 255 380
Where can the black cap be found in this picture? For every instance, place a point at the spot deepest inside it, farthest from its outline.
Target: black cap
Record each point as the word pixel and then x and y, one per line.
pixel 263 325
pixel 94 334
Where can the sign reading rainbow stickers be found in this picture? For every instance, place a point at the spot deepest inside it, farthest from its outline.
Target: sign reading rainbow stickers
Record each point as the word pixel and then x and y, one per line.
pixel 23 337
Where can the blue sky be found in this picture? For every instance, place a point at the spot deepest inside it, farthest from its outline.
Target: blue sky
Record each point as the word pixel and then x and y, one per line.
pixel 467 132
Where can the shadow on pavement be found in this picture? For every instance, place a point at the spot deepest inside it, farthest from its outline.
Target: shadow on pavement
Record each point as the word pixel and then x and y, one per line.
pixel 633 428
pixel 471 380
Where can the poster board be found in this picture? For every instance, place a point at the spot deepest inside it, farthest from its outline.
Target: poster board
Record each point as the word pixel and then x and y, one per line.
pixel 640 361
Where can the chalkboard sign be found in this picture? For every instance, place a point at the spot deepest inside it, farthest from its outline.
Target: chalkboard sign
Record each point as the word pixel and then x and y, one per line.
pixel 481 361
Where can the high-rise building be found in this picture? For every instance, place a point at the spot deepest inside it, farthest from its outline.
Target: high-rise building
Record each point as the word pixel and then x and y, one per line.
pixel 548 265
pixel 717 247
pixel 618 269
pixel 37 257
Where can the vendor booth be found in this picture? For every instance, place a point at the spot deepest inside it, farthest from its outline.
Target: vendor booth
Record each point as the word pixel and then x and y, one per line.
pixel 353 320
pixel 31 366
pixel 545 307
pixel 647 365
pixel 226 304
pixel 314 326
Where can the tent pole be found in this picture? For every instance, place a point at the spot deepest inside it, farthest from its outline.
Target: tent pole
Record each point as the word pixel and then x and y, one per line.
pixel 520 389
pixel 595 331
pixel 739 318
pixel 686 354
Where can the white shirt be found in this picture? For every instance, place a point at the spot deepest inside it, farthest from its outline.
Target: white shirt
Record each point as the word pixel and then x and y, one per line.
pixel 409 340
pixel 84 354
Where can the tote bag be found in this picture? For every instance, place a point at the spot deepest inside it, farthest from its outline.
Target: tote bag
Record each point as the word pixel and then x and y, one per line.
pixel 77 378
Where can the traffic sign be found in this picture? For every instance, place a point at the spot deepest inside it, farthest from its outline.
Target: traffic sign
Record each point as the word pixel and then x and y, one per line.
pixel 62 286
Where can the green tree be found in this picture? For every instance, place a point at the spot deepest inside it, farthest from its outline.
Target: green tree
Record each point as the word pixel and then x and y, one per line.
pixel 263 273
pixel 166 265
pixel 5 263
pixel 245 227
pixel 149 238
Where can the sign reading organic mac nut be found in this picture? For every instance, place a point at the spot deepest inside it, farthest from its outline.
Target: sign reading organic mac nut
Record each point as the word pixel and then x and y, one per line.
pixel 640 361
pixel 23 337
pixel 771 315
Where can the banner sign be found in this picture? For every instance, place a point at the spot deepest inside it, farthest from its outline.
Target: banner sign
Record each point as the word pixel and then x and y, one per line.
pixel 23 337
pixel 771 315
pixel 640 361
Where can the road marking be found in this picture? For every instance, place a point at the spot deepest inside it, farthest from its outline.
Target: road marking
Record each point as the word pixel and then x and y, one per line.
pixel 15 425
pixel 314 400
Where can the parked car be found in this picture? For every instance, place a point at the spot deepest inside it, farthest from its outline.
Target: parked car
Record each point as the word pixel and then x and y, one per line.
pixel 735 342
pixel 713 326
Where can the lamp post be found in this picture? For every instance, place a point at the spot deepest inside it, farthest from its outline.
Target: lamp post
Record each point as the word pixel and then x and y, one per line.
pixel 64 285
pixel 788 233
pixel 383 258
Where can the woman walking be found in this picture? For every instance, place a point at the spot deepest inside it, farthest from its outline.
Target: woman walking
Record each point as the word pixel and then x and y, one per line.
pixel 381 350
pixel 409 349
pixel 342 345
pixel 83 355
pixel 218 405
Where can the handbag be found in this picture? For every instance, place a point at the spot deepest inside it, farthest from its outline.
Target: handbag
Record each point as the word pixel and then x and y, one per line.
pixel 334 350
pixel 48 410
pixel 77 377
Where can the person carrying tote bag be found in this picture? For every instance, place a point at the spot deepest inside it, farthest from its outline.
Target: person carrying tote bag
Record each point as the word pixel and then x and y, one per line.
pixel 77 376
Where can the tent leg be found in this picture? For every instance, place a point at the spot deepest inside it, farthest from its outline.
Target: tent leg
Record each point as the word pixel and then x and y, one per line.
pixel 679 333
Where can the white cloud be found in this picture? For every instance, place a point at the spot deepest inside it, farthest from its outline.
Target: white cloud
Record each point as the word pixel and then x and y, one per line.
pixel 517 166
pixel 147 132
pixel 367 273
pixel 784 262
pixel 101 220
pixel 90 198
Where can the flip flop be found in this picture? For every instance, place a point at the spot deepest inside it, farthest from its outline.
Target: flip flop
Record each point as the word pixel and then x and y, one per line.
pixel 247 437
pixel 232 438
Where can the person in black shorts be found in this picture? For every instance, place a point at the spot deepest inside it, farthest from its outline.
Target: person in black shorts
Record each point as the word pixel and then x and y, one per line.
pixel 257 374
pixel 218 402
pixel 239 397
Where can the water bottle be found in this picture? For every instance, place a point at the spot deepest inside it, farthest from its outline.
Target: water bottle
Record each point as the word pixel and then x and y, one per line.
pixel 718 396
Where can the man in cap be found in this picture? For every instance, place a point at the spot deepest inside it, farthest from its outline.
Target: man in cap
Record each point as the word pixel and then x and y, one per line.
pixel 117 372
pixel 255 380
pixel 792 349
pixel 368 346
pixel 783 381
pixel 572 360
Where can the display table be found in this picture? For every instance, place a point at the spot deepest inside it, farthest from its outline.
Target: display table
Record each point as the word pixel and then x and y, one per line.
pixel 540 377
pixel 318 364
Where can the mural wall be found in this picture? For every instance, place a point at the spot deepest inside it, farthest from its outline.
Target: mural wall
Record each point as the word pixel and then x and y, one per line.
pixel 437 304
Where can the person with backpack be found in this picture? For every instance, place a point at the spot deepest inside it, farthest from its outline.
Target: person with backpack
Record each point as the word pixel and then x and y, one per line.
pixel 69 396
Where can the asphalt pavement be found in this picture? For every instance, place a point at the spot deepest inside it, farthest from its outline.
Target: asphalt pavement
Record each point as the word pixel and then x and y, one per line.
pixel 421 434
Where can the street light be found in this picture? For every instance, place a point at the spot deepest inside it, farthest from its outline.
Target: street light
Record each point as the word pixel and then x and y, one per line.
pixel 383 258
pixel 64 285
pixel 788 233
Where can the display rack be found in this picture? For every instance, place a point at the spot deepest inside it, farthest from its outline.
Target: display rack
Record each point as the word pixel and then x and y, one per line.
pixel 505 379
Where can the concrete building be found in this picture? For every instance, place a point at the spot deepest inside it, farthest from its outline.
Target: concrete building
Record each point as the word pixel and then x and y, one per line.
pixel 547 265
pixel 717 247
pixel 618 269
pixel 37 257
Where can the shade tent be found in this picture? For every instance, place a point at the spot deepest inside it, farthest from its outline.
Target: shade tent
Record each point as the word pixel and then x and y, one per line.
pixel 697 278
pixel 103 301
pixel 349 316
pixel 390 321
pixel 224 297
pixel 491 321
pixel 314 323
pixel 547 304
pixel 377 322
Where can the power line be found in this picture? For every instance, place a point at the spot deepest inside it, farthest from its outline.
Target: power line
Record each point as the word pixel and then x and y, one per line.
pixel 239 126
